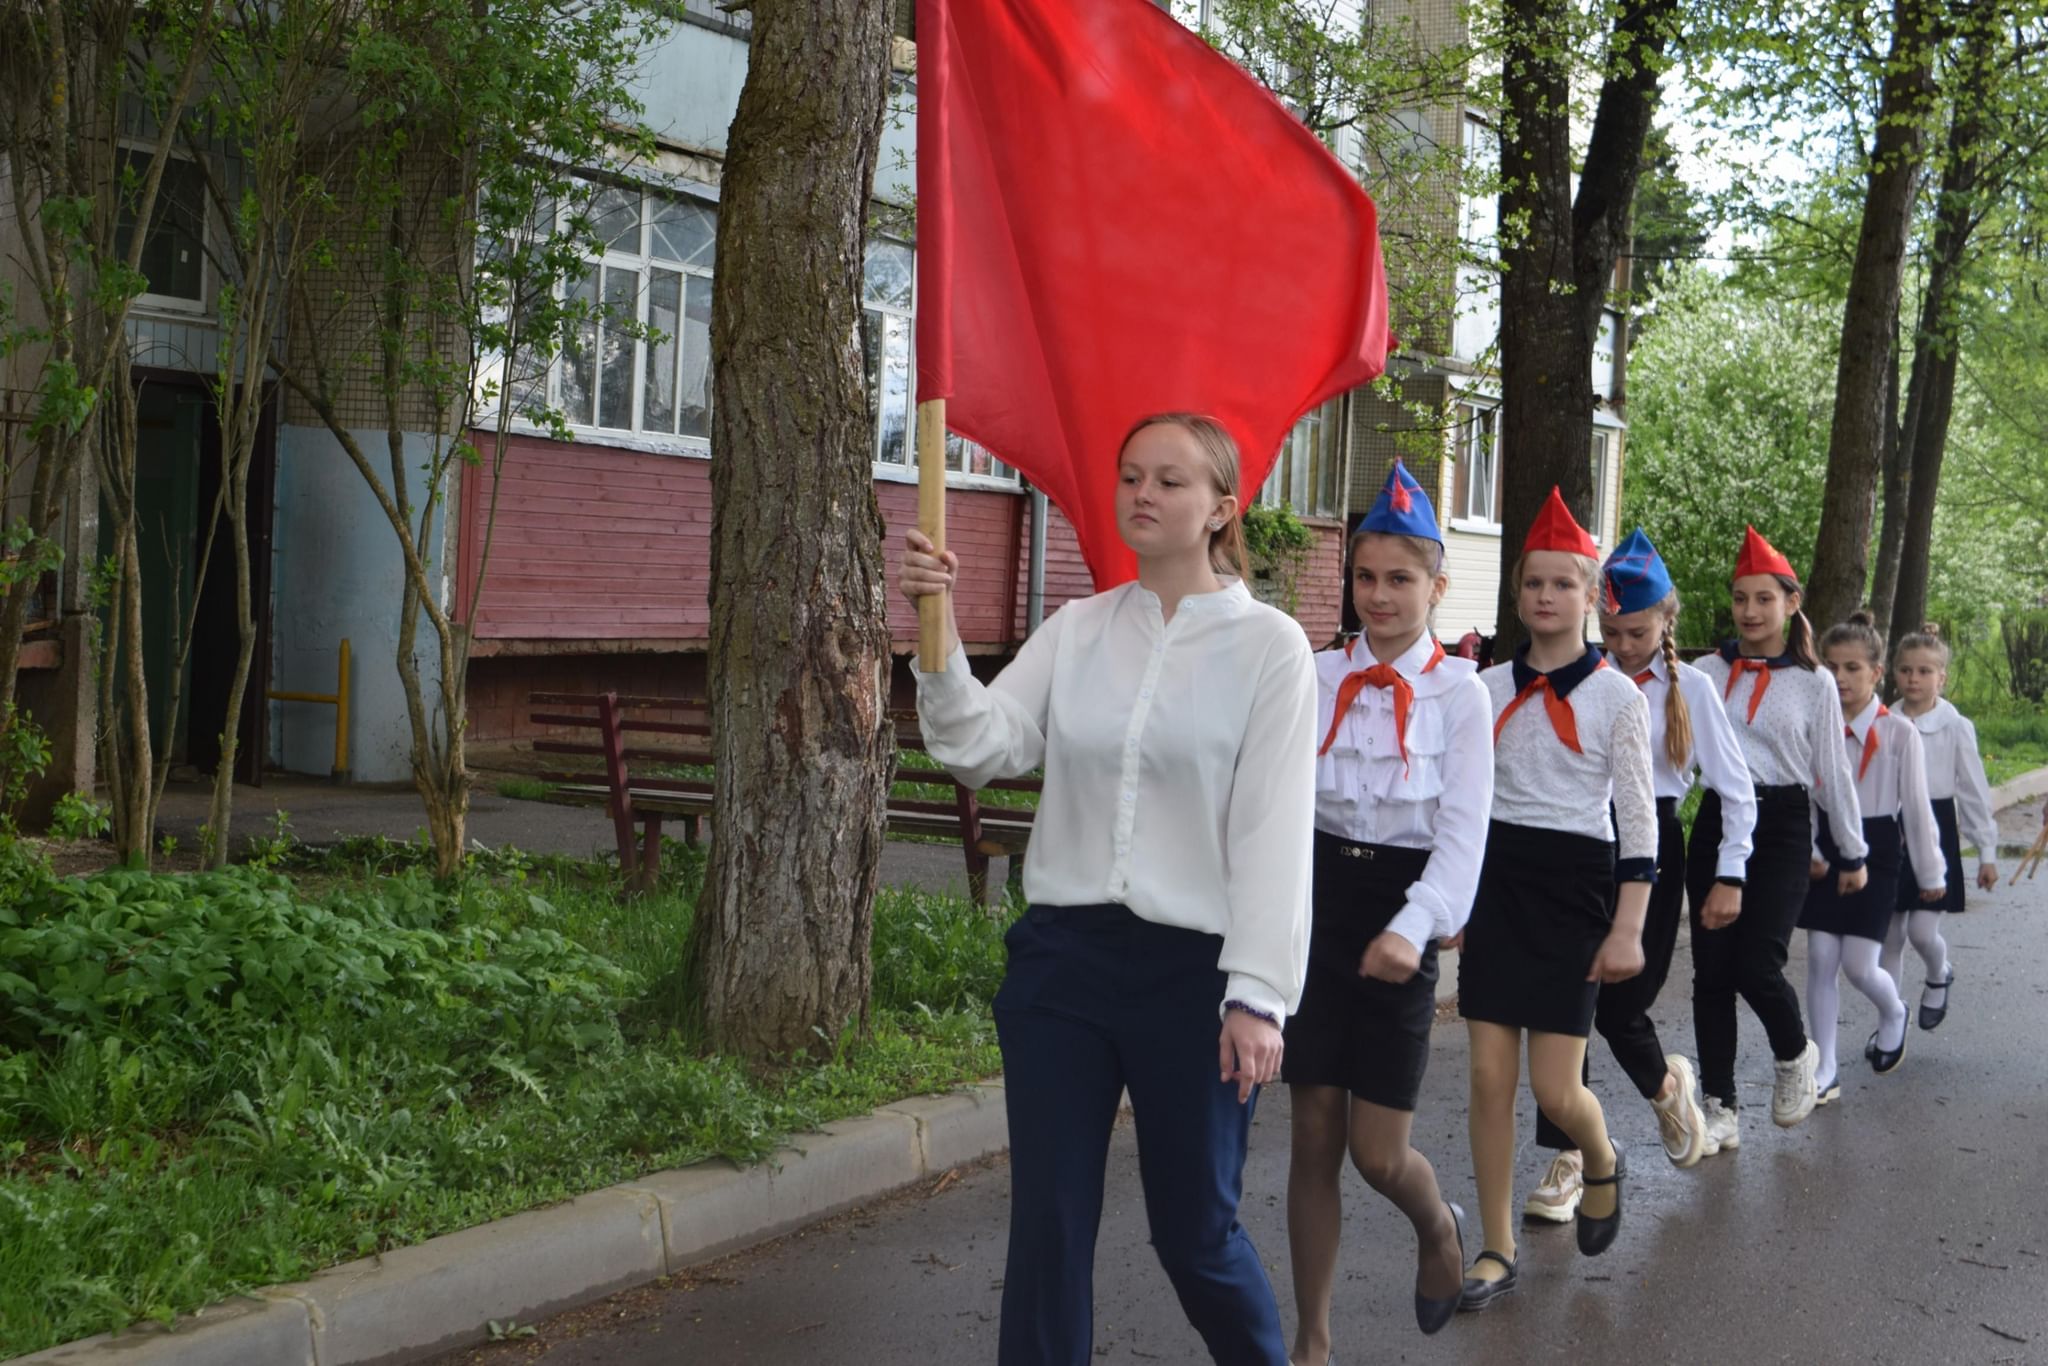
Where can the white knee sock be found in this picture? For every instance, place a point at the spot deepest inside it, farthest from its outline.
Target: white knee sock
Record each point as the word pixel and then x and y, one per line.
pixel 1859 965
pixel 1924 929
pixel 1823 997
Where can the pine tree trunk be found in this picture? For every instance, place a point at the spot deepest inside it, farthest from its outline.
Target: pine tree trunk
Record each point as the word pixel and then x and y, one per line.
pixel 799 646
pixel 1841 556
pixel 1558 255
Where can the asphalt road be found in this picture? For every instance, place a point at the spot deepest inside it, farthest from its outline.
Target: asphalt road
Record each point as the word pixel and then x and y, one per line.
pixel 1908 1223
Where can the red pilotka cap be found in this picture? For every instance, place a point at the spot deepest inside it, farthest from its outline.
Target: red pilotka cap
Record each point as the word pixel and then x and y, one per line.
pixel 1759 556
pixel 1556 529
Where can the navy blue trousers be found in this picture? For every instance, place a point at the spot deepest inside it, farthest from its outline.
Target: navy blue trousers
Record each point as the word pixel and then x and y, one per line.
pixel 1098 1001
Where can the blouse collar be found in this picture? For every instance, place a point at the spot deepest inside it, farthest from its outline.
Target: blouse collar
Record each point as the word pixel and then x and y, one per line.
pixel 1731 650
pixel 1863 720
pixel 1562 679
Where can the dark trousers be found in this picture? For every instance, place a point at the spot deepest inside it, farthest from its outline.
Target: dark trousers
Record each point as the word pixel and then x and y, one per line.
pixel 1622 1014
pixel 1747 959
pixel 1097 1001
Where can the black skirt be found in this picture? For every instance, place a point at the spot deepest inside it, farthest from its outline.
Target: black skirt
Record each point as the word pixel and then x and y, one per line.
pixel 1367 1036
pixel 1866 914
pixel 1545 903
pixel 1951 854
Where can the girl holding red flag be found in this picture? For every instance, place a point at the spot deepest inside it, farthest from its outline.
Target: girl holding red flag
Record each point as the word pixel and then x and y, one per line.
pixel 1404 781
pixel 1789 719
pixel 1845 932
pixel 1169 885
pixel 1572 742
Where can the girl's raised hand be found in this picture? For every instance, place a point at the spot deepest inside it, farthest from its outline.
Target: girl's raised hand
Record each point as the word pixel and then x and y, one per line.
pixel 924 573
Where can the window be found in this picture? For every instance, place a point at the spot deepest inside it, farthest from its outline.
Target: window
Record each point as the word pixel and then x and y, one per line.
pixel 654 273
pixel 1307 475
pixel 1475 493
pixel 888 347
pixel 1600 486
pixel 174 252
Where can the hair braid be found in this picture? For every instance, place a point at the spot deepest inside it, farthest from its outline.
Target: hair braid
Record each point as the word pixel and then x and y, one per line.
pixel 1677 716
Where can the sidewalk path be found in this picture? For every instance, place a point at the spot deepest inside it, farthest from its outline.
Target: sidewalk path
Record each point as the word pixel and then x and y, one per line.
pixel 1909 1223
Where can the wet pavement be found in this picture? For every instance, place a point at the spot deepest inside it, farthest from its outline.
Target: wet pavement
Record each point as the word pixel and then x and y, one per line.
pixel 1907 1223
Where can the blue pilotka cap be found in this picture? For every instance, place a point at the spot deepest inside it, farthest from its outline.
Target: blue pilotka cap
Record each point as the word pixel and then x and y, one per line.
pixel 1635 578
pixel 1402 509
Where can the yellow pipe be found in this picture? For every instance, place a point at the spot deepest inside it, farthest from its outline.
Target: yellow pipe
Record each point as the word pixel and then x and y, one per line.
pixel 338 699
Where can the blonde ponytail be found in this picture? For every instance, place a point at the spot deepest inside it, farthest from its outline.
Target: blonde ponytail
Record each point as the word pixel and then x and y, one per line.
pixel 1677 716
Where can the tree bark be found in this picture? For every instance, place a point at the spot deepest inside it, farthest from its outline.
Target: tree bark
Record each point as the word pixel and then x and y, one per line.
pixel 1841 557
pixel 1894 459
pixel 1558 255
pixel 799 644
pixel 1937 342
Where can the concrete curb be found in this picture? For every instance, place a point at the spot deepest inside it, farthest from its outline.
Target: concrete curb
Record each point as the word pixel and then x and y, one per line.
pixel 2016 790
pixel 415 1302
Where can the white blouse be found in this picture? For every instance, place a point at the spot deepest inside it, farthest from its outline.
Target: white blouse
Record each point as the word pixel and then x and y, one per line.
pixel 1438 798
pixel 1955 770
pixel 1179 768
pixel 1795 739
pixel 1716 758
pixel 1540 782
pixel 1894 784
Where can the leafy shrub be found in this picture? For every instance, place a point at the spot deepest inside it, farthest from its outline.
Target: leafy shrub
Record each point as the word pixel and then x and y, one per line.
pixel 78 817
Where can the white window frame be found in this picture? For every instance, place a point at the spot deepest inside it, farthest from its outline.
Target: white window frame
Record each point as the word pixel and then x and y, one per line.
pixel 149 300
pixel 1602 454
pixel 1006 479
pixel 1322 427
pixel 1476 417
pixel 643 265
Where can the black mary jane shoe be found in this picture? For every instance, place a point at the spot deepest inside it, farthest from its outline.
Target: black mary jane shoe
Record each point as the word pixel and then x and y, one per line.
pixel 1932 1016
pixel 1870 1049
pixel 1478 1293
pixel 1597 1235
pixel 1432 1314
pixel 1883 1060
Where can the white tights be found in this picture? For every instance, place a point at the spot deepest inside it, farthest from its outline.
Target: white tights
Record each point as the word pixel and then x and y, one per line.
pixel 1829 956
pixel 1924 929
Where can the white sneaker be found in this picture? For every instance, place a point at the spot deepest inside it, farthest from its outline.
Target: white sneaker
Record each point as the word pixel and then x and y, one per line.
pixel 1723 1126
pixel 1556 1201
pixel 1680 1122
pixel 1793 1097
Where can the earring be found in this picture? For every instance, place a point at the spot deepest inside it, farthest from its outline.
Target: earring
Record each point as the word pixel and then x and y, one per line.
pixel 1215 524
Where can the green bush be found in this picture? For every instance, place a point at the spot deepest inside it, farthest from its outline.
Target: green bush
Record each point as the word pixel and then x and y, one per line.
pixel 214 1082
pixel 78 817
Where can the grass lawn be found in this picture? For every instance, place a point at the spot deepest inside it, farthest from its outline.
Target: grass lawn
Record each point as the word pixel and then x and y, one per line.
pixel 212 1082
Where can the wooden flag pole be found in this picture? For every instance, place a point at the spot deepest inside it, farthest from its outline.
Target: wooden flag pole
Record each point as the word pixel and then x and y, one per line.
pixel 931 520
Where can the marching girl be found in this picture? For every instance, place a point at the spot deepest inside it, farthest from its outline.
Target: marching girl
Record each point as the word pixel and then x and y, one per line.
pixel 1845 931
pixel 1168 888
pixel 1571 737
pixel 1689 736
pixel 1404 779
pixel 1788 717
pixel 1962 806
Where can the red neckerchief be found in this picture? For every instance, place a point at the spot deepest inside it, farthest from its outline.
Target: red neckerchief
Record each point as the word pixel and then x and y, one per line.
pixel 1562 719
pixel 1380 676
pixel 1869 740
pixel 1740 665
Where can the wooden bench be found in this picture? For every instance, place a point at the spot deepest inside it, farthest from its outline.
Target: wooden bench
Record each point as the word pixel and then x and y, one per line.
pixel 637 800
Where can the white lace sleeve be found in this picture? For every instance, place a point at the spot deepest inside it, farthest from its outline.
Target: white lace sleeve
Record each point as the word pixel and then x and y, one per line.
pixel 1635 798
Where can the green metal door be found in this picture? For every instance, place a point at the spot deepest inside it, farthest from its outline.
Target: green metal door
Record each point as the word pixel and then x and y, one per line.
pixel 169 422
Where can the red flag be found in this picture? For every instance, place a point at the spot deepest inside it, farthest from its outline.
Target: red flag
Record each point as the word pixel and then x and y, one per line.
pixel 1113 220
